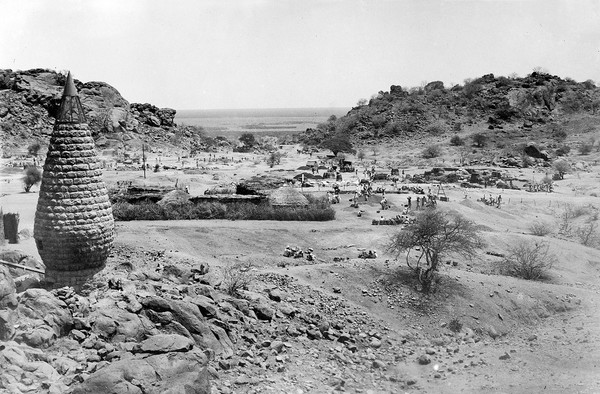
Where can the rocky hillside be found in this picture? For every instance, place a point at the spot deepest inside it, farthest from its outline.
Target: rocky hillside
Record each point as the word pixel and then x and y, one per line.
pixel 29 100
pixel 539 101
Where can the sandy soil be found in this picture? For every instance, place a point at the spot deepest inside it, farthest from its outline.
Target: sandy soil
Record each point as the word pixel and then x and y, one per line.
pixel 548 330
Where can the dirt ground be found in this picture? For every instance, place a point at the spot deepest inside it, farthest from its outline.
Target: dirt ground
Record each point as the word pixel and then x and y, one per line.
pixel 519 336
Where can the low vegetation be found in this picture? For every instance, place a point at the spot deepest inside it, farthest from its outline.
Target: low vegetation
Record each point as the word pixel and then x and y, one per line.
pixel 236 276
pixel 318 210
pixel 431 152
pixel 540 229
pixel 456 141
pixel 529 260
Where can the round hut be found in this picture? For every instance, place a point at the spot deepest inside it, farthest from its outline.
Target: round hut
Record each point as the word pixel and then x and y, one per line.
pixel 74 225
pixel 287 197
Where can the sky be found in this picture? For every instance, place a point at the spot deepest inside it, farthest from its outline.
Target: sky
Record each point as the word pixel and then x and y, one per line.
pixel 196 54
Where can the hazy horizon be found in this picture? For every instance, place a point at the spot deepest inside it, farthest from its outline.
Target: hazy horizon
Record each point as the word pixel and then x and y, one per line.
pixel 285 110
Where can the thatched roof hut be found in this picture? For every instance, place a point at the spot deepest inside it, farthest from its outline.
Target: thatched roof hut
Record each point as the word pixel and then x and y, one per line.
pixel 174 197
pixel 74 225
pixel 288 197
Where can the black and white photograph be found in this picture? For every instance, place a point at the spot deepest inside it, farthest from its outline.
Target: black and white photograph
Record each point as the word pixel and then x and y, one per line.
pixel 297 197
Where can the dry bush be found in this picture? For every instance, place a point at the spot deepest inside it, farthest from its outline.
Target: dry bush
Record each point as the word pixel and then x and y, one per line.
pixel 529 260
pixel 456 141
pixel 237 276
pixel 588 235
pixel 586 148
pixel 540 228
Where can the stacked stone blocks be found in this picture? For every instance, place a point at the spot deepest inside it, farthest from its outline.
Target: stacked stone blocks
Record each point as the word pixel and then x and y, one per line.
pixel 74 226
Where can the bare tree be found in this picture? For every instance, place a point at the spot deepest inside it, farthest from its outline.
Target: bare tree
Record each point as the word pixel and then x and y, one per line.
pixel 435 234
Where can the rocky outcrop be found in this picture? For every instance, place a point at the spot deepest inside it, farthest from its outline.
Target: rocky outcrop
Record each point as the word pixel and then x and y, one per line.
pixel 152 115
pixel 488 101
pixel 29 101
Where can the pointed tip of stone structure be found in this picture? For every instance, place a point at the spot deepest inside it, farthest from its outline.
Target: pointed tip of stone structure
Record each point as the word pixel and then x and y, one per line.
pixel 70 110
pixel 70 89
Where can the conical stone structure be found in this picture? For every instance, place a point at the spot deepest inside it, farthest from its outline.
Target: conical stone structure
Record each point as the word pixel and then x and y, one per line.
pixel 74 225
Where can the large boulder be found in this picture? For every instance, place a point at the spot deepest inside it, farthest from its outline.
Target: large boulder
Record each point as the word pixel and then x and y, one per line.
pixel 18 257
pixel 532 150
pixel 189 316
pixel 176 372
pixel 25 369
pixel 8 302
pixel 435 85
pixel 42 318
pixel 119 325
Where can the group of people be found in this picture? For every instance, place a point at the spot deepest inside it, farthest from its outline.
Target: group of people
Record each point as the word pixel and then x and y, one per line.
pixel 297 253
pixel 540 187
pixel 492 201
pixel 335 198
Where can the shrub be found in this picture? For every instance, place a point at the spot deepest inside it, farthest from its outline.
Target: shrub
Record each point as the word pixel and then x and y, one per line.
pixel 559 134
pixel 455 325
pixel 274 158
pixel 431 151
pixel 529 260
pixel 456 141
pixel 587 234
pixel 471 89
pixel 379 120
pixel 33 175
pixel 585 148
pixel 540 228
pixel 393 128
pixel 34 149
pixel 237 276
pixel 479 139
pixel 563 150
pixel 436 128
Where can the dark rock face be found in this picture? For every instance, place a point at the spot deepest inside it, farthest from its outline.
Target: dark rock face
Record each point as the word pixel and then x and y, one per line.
pixel 396 90
pixel 152 115
pixel 533 151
